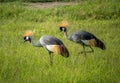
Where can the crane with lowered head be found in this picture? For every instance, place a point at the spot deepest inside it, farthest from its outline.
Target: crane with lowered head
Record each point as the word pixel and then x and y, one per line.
pixel 50 43
pixel 82 37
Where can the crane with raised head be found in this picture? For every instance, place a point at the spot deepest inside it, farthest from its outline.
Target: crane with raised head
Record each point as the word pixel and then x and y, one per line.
pixel 50 43
pixel 82 37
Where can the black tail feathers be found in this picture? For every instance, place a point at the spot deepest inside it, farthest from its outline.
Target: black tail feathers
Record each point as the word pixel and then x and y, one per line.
pixel 100 44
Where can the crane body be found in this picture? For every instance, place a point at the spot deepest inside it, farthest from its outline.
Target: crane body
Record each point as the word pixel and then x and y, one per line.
pixel 84 38
pixel 50 43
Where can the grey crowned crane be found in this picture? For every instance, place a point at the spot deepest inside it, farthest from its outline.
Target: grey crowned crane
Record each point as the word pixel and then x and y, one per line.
pixel 82 37
pixel 50 43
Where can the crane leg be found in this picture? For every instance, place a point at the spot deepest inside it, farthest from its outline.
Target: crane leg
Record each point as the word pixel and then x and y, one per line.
pixel 84 49
pixel 91 49
pixel 51 58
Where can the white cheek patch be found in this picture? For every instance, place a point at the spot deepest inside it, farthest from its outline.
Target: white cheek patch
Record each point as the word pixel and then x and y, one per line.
pixel 27 38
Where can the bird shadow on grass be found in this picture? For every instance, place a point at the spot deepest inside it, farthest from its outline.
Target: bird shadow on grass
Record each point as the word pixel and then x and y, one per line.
pixel 85 53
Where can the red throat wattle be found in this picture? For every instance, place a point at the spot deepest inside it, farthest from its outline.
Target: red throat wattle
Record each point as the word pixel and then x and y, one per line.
pixel 30 40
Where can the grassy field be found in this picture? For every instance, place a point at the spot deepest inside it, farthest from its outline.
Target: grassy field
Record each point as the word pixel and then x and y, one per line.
pixel 22 63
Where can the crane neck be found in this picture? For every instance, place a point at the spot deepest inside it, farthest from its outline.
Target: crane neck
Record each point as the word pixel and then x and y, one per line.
pixel 65 33
pixel 35 44
pixel 67 36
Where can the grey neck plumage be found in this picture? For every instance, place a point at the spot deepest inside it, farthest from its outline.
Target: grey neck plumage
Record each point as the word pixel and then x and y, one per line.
pixel 68 37
pixel 35 44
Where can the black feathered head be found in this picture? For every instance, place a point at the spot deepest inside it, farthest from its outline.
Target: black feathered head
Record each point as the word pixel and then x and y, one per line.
pixel 27 35
pixel 63 29
pixel 63 26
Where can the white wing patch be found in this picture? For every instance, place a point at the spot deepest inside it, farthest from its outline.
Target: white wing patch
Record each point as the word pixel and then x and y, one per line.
pixel 86 42
pixel 49 47
pixel 91 42
pixel 54 48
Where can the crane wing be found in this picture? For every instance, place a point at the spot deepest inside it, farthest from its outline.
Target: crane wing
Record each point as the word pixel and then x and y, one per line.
pixel 83 35
pixel 50 40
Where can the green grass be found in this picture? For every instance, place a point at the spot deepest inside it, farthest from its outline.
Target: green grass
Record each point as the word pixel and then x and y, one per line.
pixel 22 63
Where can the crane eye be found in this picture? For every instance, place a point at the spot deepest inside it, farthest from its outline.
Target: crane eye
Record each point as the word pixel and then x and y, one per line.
pixel 64 29
pixel 26 38
pixel 60 28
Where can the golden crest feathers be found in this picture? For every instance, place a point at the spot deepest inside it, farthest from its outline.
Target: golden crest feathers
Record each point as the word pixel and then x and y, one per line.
pixel 64 24
pixel 28 33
